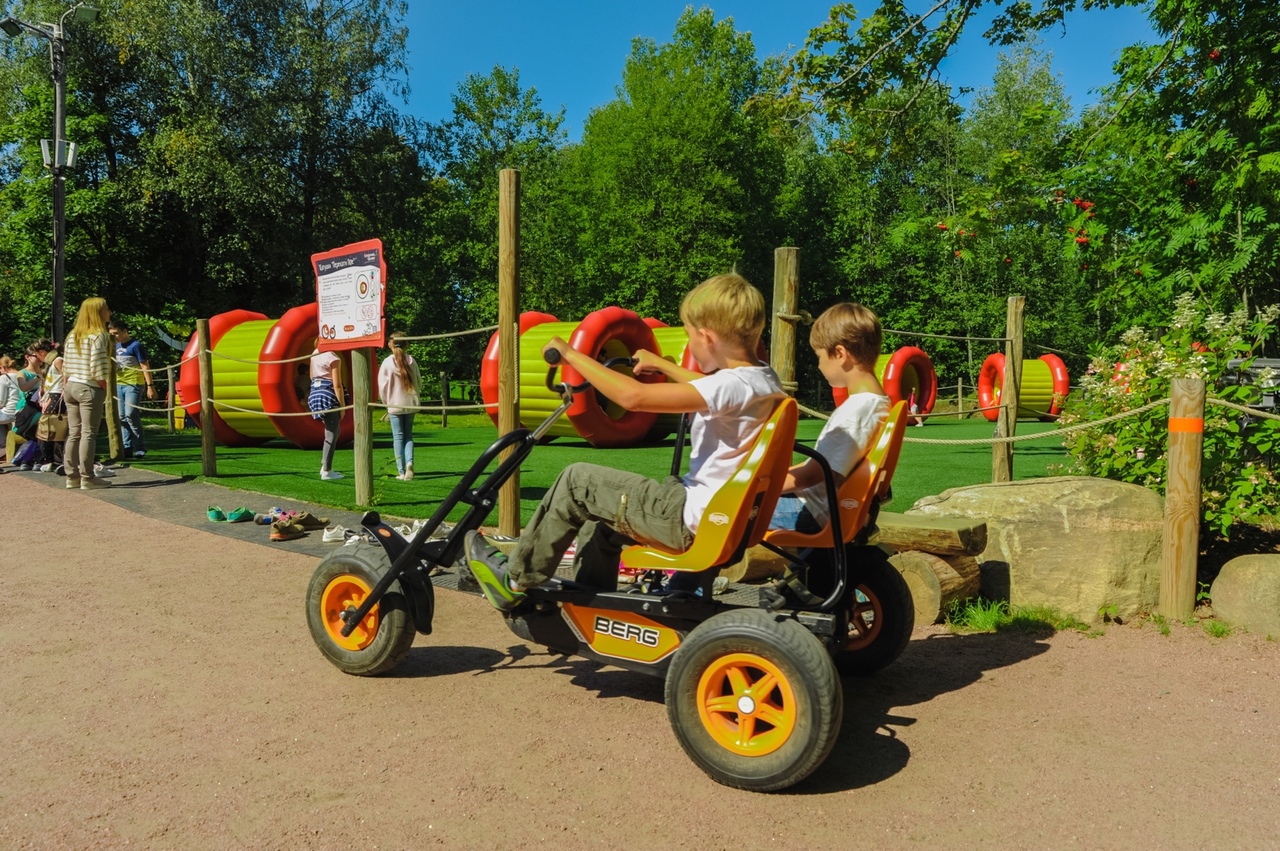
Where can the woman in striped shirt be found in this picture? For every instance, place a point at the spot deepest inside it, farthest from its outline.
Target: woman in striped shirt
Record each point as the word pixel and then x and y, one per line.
pixel 86 366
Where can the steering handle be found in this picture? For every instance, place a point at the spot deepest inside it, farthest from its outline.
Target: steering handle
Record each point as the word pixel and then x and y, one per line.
pixel 553 359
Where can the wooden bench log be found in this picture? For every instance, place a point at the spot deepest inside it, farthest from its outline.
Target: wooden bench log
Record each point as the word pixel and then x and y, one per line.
pixel 936 581
pixel 948 536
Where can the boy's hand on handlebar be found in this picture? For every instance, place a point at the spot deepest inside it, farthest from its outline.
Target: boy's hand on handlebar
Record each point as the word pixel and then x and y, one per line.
pixel 555 344
pixel 648 363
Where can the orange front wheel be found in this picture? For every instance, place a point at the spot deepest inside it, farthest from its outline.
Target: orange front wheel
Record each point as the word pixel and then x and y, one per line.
pixel 341 582
pixel 754 700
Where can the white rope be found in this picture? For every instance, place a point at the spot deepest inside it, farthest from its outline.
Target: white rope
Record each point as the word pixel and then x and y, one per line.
pixel 1244 409
pixel 1057 432
pixel 231 407
pixel 242 360
pixel 483 330
pixel 435 408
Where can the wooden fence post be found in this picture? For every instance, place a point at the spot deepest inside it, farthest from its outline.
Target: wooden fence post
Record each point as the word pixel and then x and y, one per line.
pixel 1007 423
pixel 171 397
pixel 204 359
pixel 1180 547
pixel 786 287
pixel 959 398
pixel 509 338
pixel 444 399
pixel 361 396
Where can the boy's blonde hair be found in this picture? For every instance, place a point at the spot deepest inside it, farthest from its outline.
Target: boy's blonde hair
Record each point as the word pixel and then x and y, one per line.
pixel 850 325
pixel 729 306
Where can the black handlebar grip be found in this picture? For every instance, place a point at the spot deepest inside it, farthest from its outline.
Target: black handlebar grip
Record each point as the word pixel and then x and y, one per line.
pixel 552 356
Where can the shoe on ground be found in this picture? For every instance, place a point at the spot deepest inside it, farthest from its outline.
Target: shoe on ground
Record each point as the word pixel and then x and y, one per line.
pixel 239 515
pixel 400 476
pixel 489 566
pixel 46 468
pixel 334 535
pixel 330 475
pixel 73 483
pixel 93 484
pixel 282 531
pixel 215 514
pixel 27 468
pixel 309 521
pixel 408 472
pixel 141 453
pixel 404 531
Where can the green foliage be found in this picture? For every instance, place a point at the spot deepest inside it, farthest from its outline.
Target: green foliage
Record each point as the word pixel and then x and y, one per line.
pixel 1240 459
pixel 1215 628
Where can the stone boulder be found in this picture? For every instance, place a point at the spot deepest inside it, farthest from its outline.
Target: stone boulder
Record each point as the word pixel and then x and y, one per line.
pixel 1247 593
pixel 1077 544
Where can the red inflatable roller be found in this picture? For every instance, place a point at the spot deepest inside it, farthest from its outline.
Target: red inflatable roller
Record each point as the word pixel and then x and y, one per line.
pixel 607 333
pixel 1045 383
pixel 905 373
pixel 189 377
pixel 489 364
pixel 284 386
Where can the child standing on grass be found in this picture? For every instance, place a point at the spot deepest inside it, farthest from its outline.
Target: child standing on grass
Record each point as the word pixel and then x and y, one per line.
pixel 398 383
pixel 723 317
pixel 324 400
pixel 846 339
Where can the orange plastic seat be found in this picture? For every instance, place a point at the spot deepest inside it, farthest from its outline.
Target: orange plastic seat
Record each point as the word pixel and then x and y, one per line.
pixel 739 512
pixel 869 479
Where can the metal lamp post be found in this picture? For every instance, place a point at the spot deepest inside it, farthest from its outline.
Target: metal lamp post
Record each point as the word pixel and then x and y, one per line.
pixel 63 154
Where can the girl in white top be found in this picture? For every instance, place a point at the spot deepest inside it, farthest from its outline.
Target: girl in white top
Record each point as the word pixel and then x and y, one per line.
pixel 398 385
pixel 86 367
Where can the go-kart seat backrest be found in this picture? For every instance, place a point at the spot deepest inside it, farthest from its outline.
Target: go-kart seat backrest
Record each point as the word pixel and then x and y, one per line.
pixel 739 512
pixel 867 481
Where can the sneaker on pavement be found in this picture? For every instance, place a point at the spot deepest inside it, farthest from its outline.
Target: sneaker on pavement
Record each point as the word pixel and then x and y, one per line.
pixel 282 531
pixel 330 475
pixel 334 535
pixel 240 515
pixel 489 566
pixel 309 521
pixel 93 484
pixel 73 483
pixel 46 468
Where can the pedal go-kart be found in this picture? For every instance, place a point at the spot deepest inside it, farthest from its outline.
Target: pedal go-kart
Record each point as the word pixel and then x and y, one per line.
pixel 752 676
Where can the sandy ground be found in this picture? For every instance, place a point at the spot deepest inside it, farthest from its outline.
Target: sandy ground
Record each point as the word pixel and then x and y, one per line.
pixel 160 689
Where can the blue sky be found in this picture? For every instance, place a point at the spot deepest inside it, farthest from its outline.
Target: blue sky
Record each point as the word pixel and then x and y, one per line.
pixel 573 51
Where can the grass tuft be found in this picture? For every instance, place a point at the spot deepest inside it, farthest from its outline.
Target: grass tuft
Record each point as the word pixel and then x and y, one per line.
pixel 980 615
pixel 1215 628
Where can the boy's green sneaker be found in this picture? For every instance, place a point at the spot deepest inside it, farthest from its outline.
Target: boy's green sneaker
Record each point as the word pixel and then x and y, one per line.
pixel 489 566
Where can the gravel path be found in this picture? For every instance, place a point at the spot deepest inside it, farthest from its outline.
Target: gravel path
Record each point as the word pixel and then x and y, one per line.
pixel 161 690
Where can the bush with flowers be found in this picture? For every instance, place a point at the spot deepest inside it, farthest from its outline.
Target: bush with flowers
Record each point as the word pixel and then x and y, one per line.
pixel 1239 473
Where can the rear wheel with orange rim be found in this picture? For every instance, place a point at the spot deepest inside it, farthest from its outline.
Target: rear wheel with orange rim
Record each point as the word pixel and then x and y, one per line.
pixel 341 582
pixel 754 700
pixel 879 614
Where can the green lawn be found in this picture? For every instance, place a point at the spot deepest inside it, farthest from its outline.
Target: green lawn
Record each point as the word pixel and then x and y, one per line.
pixel 282 472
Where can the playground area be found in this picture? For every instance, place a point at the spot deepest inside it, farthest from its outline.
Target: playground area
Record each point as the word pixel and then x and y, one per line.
pixel 174 698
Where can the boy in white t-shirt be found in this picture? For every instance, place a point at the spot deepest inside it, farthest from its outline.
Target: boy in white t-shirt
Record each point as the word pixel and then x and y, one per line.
pixel 846 339
pixel 724 317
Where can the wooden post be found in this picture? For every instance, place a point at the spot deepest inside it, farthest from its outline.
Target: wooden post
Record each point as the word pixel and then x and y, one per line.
pixel 444 399
pixel 171 397
pixel 204 358
pixel 361 396
pixel 1007 423
pixel 112 408
pixel 786 287
pixel 1181 544
pixel 960 398
pixel 509 337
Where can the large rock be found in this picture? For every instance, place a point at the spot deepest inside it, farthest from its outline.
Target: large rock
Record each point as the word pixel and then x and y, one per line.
pixel 1247 593
pixel 1080 545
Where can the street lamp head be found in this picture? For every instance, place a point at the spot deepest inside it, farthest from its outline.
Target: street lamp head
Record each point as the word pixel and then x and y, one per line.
pixel 84 15
pixel 11 27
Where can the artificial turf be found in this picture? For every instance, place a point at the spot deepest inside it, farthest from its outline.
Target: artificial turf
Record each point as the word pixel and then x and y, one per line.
pixel 281 472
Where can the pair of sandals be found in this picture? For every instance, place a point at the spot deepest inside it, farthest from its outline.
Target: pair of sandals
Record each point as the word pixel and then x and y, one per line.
pixel 236 515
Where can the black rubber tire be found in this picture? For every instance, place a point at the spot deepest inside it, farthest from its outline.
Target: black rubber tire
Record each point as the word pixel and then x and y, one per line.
pixel 809 672
pixel 882 599
pixel 395 631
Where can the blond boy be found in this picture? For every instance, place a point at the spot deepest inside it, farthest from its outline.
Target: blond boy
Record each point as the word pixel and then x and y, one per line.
pixel 607 509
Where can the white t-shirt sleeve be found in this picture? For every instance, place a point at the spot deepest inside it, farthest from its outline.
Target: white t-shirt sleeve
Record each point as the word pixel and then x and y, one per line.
pixel 843 440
